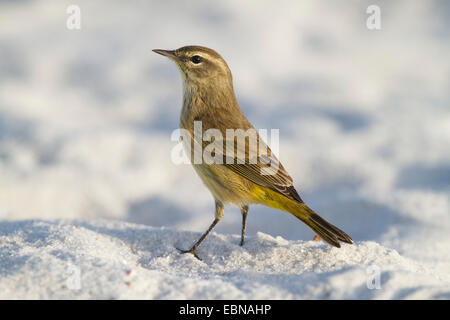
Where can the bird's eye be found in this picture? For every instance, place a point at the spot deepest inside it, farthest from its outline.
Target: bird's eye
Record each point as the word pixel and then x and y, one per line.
pixel 196 59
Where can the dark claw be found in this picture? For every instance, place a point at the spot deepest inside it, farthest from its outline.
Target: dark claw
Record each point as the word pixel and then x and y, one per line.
pixel 191 251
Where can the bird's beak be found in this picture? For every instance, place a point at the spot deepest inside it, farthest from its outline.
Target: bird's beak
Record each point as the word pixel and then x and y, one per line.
pixel 168 53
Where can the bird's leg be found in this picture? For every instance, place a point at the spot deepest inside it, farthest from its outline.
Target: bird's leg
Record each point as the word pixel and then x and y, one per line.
pixel 219 215
pixel 244 211
pixel 193 250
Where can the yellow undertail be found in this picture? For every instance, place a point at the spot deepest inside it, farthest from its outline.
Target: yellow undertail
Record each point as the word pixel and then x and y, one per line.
pixel 320 226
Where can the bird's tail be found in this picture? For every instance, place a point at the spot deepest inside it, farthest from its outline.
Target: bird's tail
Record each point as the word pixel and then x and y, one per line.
pixel 320 226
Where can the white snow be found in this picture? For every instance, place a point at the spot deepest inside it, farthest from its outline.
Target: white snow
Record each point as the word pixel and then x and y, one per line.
pixel 117 260
pixel 88 191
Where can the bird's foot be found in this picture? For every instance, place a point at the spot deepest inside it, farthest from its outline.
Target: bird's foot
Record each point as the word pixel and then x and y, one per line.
pixel 242 242
pixel 191 251
pixel 317 238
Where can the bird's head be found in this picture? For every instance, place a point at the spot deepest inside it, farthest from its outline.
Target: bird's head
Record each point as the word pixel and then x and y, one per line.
pixel 198 64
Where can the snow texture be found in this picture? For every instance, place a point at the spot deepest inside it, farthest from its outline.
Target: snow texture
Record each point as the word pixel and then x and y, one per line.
pixel 91 205
pixel 117 260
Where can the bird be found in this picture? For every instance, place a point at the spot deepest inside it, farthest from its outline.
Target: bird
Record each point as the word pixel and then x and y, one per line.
pixel 242 178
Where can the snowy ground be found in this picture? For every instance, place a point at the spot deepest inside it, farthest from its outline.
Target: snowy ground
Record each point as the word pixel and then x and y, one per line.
pixel 117 260
pixel 85 123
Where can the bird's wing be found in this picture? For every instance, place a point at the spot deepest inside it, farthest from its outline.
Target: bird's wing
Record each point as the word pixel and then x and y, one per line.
pixel 256 162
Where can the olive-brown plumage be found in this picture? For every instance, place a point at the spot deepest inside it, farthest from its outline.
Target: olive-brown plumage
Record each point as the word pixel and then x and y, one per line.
pixel 209 97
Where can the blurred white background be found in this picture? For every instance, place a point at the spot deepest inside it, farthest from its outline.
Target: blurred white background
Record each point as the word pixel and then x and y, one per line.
pixel 364 115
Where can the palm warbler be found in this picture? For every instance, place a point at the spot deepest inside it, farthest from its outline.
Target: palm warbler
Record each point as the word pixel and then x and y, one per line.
pixel 209 98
